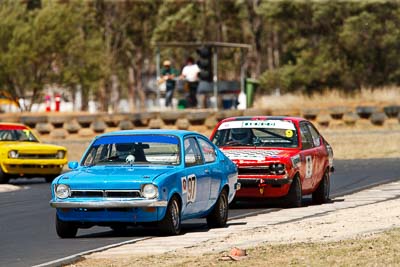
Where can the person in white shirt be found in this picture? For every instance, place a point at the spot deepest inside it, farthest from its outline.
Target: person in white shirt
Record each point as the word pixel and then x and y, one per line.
pixel 190 73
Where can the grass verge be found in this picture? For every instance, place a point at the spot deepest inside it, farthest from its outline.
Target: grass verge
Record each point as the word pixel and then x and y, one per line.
pixel 330 98
pixel 379 249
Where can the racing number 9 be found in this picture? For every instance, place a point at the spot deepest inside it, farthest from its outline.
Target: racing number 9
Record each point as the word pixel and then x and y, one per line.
pixel 191 188
pixel 309 167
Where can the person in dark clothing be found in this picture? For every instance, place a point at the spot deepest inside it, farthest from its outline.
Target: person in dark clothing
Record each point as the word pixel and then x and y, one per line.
pixel 168 75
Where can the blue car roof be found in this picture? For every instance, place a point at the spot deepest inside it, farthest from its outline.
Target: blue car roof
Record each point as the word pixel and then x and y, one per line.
pixel 179 133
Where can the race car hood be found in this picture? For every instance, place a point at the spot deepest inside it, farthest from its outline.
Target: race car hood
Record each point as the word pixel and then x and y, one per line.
pixel 257 154
pixel 30 147
pixel 105 177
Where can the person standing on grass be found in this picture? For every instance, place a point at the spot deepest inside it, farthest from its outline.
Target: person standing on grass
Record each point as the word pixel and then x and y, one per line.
pixel 168 74
pixel 190 73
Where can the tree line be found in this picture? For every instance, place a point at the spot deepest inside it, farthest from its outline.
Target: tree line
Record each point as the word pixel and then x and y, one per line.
pixel 104 49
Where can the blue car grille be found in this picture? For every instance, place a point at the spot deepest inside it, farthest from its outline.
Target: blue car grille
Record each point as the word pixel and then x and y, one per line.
pixel 106 193
pixel 103 210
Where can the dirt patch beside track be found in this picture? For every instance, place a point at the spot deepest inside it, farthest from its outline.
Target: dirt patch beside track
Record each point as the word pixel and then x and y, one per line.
pixel 361 229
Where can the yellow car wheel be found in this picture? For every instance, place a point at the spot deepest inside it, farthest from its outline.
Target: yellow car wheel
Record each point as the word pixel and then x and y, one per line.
pixel 3 177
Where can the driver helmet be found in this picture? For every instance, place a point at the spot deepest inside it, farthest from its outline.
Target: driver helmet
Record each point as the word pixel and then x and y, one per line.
pixel 241 135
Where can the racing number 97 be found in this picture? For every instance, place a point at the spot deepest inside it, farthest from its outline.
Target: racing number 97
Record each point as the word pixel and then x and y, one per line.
pixel 191 188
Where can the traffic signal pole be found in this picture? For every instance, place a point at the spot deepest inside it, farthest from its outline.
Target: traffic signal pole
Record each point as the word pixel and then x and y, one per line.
pixel 215 76
pixel 213 46
pixel 242 96
pixel 158 74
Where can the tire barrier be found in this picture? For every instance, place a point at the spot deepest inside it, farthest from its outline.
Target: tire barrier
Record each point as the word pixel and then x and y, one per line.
pixel 170 117
pixel 324 120
pixel 125 125
pixel 86 120
pixel 155 124
pixel 378 118
pixel 72 126
pixel 142 119
pixel 338 112
pixel 31 121
pixel 59 133
pixel 112 120
pixel 58 121
pixel 228 113
pixel 392 111
pixel 311 114
pixel 98 126
pixel 365 111
pixel 350 118
pixel 43 128
pixel 85 125
pixel 182 124
pixel 198 118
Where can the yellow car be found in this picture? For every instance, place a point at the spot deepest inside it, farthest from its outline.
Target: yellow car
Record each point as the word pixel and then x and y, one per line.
pixel 23 155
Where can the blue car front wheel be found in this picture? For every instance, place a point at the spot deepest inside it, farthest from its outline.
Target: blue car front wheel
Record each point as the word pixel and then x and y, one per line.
pixel 171 224
pixel 65 229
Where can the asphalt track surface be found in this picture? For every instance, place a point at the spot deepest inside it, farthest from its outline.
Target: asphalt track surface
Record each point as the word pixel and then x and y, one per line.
pixel 28 237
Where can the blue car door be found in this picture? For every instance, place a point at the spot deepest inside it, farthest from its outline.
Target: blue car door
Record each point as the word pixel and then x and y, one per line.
pixel 213 169
pixel 197 190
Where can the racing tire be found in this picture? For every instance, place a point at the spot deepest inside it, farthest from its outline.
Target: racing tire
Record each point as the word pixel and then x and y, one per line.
pixel 171 224
pixel 321 194
pixel 294 196
pixel 219 214
pixel 65 229
pixel 3 177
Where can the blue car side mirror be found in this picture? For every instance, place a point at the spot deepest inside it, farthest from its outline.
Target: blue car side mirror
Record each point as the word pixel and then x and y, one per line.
pixel 73 165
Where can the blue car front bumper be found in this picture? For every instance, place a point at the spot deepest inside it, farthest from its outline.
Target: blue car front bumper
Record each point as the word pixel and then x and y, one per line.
pixel 108 203
pixel 109 211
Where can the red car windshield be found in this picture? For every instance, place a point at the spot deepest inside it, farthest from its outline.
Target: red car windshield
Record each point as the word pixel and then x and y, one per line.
pixel 257 134
pixel 17 135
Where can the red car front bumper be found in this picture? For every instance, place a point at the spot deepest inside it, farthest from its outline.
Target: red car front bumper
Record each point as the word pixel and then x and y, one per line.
pixel 263 187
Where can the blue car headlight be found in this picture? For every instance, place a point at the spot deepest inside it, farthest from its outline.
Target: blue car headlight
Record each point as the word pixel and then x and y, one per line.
pixel 62 191
pixel 149 191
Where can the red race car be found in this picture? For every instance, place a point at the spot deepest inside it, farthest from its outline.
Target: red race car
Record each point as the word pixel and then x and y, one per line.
pixel 277 157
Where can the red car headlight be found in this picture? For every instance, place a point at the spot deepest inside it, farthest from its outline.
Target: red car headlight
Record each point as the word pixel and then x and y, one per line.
pixel 277 168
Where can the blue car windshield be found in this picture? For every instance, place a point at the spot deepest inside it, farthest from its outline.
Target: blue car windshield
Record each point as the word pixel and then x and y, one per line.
pixel 133 150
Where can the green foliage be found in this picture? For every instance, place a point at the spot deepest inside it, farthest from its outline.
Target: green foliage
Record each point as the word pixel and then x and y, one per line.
pixel 345 45
pixel 45 46
pixel 105 47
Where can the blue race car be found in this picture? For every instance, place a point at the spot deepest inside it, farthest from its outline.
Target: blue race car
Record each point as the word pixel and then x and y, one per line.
pixel 137 177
